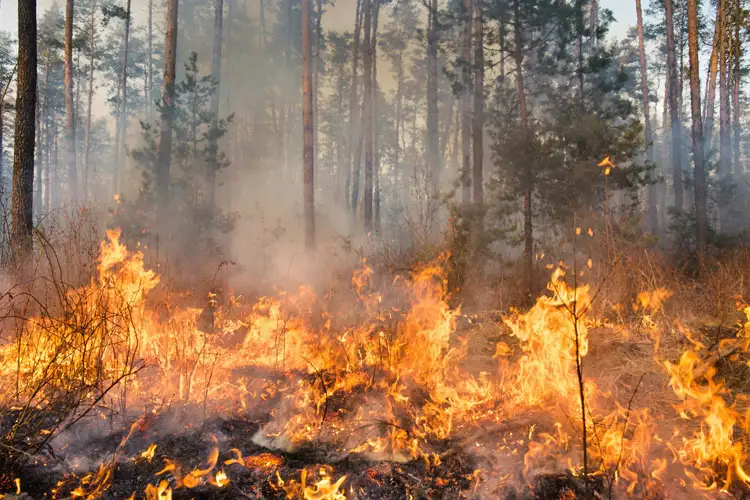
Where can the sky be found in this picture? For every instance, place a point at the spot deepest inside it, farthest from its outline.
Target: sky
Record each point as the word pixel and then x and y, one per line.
pixel 624 11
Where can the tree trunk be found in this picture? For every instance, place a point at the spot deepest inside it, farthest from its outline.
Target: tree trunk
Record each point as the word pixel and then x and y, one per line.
pixel 399 121
pixel 528 236
pixel 353 184
pixel 23 146
pixel 42 144
pixel 216 75
pixel 725 160
pixel 433 160
pixel 710 103
pixel 165 142
pixel 150 71
pixel 119 163
pixel 367 116
pixel 653 216
pixel 465 106
pixel 674 111
pixel 697 129
pixel 736 110
pixel 374 125
pixel 70 120
pixel 316 73
pixel 478 103
pixel 87 135
pixel 307 120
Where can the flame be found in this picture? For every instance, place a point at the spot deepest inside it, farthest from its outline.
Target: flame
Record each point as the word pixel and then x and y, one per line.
pixel 148 454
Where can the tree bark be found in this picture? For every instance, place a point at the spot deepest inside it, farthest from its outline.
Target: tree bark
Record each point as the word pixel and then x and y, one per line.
pixel 710 103
pixel 725 161
pixel 316 73
pixel 367 117
pixel 119 163
pixel 697 129
pixel 478 103
pixel 70 120
pixel 736 110
pixel 465 106
pixel 150 71
pixel 653 216
pixel 23 146
pixel 165 142
pixel 374 125
pixel 87 133
pixel 307 119
pixel 528 234
pixel 674 111
pixel 433 158
pixel 216 75
pixel 354 116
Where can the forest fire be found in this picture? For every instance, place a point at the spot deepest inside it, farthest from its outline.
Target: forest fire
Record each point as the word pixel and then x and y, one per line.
pixel 345 409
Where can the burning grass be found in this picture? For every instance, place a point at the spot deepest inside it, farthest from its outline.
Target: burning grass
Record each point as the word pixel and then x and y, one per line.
pixel 385 396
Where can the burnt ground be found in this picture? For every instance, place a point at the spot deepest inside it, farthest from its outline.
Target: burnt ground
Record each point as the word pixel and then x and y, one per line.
pixel 454 477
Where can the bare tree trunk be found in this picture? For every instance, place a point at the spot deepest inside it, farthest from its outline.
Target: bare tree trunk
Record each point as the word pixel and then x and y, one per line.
pixel 22 208
pixel 674 111
pixel 376 151
pixel 697 128
pixel 119 162
pixel 307 119
pixel 398 119
pixel 316 73
pixel 528 235
pixel 725 161
pixel 216 75
pixel 42 143
pixel 353 184
pixel 433 160
pixel 70 120
pixel 710 103
pixel 165 142
pixel 653 216
pixel 367 116
pixel 150 73
pixel 465 106
pixel 478 103
pixel 87 134
pixel 736 110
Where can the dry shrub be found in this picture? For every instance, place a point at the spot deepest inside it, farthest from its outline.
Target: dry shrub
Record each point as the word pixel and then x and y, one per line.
pixel 58 327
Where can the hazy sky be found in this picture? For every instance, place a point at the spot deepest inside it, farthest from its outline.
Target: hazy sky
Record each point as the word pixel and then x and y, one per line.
pixel 340 17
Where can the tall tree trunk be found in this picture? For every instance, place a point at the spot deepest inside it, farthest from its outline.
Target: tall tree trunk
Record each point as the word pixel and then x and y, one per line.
pixel 307 120
pixel 367 116
pixel 42 144
pixel 216 75
pixel 399 121
pixel 478 103
pixel 23 146
pixel 725 161
pixel 653 216
pixel 150 70
pixel 579 45
pixel 70 120
pixel 165 142
pixel 354 115
pixel 465 106
pixel 736 110
pixel 119 163
pixel 374 125
pixel 697 129
pixel 316 73
pixel 528 235
pixel 433 159
pixel 710 103
pixel 87 134
pixel 674 111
